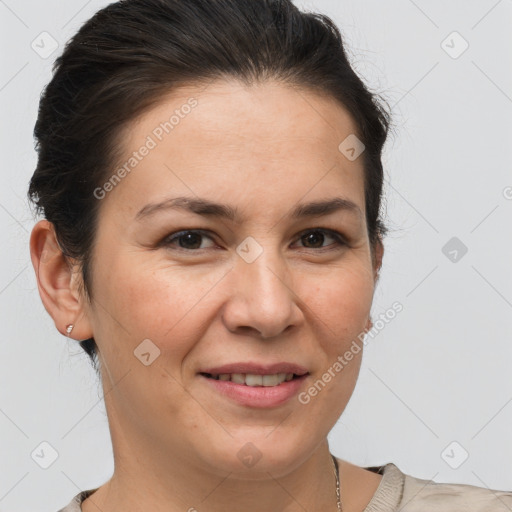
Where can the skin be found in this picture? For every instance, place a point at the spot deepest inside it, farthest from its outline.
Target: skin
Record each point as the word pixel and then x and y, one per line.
pixel 261 149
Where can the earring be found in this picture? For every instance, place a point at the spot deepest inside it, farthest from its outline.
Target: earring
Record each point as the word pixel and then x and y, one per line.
pixel 69 328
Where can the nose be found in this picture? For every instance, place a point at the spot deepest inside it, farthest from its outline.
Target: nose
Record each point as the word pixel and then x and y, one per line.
pixel 261 298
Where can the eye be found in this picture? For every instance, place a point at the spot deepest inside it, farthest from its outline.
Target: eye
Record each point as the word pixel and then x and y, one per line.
pixel 188 240
pixel 316 238
pixel 191 239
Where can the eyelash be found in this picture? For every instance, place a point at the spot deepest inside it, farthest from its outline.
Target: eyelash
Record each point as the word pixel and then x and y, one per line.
pixel 340 241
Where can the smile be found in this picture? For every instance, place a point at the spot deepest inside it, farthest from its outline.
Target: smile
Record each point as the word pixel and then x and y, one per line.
pixel 254 390
pixel 250 379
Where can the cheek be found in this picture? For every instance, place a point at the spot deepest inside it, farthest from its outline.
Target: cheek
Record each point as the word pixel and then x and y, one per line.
pixel 341 301
pixel 340 306
pixel 168 305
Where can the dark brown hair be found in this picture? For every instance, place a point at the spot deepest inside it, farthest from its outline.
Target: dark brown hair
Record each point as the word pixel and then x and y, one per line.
pixel 133 52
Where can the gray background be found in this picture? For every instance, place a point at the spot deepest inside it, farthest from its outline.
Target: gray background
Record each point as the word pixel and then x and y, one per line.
pixel 438 373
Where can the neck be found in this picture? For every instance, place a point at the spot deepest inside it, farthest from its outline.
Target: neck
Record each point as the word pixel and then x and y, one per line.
pixel 148 477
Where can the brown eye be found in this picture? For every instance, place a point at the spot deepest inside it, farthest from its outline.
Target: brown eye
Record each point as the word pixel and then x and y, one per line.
pixel 315 238
pixel 187 240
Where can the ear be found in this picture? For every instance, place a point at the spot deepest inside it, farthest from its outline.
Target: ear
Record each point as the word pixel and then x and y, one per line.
pixel 378 254
pixel 58 282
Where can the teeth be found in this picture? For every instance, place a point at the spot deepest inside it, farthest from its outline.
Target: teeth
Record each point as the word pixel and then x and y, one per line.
pixel 254 380
pixel 270 380
pixel 250 379
pixel 238 378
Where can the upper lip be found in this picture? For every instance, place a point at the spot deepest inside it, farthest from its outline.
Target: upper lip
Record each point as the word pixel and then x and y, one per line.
pixel 256 368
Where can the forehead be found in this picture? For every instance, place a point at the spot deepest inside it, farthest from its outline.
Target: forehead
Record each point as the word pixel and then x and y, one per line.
pixel 229 140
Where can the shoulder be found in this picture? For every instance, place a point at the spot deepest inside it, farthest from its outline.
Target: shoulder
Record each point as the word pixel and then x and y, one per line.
pixel 420 495
pixel 75 504
pixel 400 492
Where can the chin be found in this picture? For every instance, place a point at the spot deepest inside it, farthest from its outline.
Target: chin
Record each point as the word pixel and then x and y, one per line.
pixel 250 457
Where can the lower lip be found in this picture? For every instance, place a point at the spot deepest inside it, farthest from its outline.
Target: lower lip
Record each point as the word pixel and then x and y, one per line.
pixel 258 396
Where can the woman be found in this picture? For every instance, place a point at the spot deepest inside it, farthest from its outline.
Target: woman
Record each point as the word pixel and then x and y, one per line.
pixel 210 177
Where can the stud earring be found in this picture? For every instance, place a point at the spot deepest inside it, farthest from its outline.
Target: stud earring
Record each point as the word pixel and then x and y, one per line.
pixel 69 328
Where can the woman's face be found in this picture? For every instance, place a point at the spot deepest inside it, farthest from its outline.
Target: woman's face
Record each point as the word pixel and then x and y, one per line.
pixel 262 278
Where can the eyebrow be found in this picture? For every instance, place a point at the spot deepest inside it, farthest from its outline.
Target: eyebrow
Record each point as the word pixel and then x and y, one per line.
pixel 211 209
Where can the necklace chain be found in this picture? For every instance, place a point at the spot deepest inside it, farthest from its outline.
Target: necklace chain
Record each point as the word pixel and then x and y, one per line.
pixel 337 475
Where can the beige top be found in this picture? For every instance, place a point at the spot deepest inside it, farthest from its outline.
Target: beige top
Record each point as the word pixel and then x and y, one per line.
pixel 400 492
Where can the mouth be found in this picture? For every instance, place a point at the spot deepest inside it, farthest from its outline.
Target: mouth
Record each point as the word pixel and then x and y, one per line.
pixel 261 390
pixel 255 384
pixel 254 380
